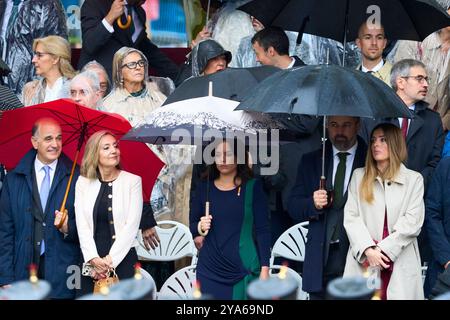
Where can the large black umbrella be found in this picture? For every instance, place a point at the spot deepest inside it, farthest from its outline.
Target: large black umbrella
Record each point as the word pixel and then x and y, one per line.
pixel 231 83
pixel 340 19
pixel 325 90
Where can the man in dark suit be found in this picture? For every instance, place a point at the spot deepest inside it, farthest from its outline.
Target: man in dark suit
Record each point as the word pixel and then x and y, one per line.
pixel 271 46
pixel 424 133
pixel 31 194
pixel 102 36
pixel 437 222
pixel 327 244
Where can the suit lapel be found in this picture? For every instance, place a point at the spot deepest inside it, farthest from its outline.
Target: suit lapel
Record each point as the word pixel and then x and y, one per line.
pixel 415 125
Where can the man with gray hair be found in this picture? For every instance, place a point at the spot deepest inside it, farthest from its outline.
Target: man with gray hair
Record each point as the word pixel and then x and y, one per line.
pixel 85 89
pixel 105 83
pixel 423 133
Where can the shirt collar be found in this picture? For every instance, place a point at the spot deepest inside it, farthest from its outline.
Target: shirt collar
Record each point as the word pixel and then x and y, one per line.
pixel 38 165
pixel 352 150
pixel 374 69
pixel 291 65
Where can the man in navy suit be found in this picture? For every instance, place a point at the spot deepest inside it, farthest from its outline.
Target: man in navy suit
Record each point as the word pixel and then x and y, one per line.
pixel 327 243
pixel 102 36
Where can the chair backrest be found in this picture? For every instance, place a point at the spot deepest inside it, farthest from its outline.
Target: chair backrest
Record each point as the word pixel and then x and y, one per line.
pixel 147 275
pixel 301 295
pixel 180 285
pixel 291 243
pixel 176 242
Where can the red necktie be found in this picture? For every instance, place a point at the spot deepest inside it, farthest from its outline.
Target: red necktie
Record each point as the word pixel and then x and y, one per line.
pixel 405 127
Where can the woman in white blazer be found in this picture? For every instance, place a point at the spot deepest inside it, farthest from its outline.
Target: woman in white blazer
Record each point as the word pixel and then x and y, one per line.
pixel 108 208
pixel 383 217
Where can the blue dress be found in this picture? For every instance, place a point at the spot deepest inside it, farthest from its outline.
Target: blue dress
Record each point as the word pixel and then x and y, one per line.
pixel 237 244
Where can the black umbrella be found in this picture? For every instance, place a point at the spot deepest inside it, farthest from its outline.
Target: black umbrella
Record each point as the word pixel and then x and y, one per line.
pixel 231 83
pixel 8 100
pixel 340 19
pixel 264 10
pixel 325 90
pixel 4 69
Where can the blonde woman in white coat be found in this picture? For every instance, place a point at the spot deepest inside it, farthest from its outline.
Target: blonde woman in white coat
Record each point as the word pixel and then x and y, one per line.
pixel 108 208
pixel 383 217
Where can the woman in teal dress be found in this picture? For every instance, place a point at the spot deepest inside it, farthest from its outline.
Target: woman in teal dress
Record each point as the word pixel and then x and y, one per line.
pixel 236 247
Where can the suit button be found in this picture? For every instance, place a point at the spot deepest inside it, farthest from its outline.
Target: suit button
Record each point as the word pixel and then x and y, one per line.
pixel 109 209
pixel 43 224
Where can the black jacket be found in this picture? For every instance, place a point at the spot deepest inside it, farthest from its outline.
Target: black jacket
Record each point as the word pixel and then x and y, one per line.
pixel 101 45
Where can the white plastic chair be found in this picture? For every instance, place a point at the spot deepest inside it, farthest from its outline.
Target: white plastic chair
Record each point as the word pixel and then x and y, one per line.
pixel 180 285
pixel 147 275
pixel 176 242
pixel 291 243
pixel 301 295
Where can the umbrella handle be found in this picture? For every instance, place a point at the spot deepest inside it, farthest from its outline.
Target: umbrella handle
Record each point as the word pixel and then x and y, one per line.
pixel 126 25
pixel 330 193
pixel 59 223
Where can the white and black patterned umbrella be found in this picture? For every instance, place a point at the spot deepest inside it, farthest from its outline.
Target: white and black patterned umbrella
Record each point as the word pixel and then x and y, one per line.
pixel 181 121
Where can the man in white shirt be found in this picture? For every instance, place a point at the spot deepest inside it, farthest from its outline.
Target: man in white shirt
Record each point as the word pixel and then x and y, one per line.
pixel 372 41
pixel 32 193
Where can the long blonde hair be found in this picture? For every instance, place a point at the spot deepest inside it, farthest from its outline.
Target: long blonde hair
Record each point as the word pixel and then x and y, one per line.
pixel 397 154
pixel 89 164
pixel 58 47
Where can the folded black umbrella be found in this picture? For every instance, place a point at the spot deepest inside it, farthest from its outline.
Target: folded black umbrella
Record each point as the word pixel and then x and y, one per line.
pixel 8 100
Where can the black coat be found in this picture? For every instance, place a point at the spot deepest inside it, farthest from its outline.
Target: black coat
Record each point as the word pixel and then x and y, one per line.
pixel 101 45
pixel 424 141
pixel 301 208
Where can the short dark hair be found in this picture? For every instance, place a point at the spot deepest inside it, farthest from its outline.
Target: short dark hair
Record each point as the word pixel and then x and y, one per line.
pixel 273 37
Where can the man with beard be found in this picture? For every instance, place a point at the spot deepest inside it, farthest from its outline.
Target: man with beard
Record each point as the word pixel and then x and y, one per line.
pixel 327 245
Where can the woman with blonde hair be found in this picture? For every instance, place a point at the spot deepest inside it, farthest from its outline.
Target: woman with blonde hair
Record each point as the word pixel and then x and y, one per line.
pixel 51 59
pixel 133 95
pixel 108 208
pixel 383 216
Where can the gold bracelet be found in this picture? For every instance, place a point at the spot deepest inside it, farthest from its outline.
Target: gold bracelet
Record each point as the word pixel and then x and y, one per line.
pixel 200 231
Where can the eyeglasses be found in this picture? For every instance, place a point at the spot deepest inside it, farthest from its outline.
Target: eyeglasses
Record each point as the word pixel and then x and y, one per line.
pixel 419 79
pixel 134 64
pixel 39 54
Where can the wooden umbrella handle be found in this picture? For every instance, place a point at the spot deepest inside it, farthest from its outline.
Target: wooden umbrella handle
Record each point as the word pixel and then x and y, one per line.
pixel 59 222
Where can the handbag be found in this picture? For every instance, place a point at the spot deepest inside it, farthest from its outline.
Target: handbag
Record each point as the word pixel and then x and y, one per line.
pixel 107 282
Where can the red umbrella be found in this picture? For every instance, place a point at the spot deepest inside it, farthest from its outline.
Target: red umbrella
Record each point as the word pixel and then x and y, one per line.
pixel 78 123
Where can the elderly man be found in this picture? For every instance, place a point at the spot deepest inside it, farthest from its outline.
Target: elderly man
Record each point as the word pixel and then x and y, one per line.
pixel 85 89
pixel 105 83
pixel 32 193
pixel 327 245
pixel 372 41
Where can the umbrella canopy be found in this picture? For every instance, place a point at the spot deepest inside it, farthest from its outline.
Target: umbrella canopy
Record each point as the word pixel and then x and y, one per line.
pixel 195 116
pixel 78 123
pixel 325 90
pixel 8 100
pixel 402 19
pixel 264 10
pixel 231 83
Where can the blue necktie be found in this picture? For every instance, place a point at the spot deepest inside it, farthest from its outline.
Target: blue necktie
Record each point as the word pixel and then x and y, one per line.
pixel 45 190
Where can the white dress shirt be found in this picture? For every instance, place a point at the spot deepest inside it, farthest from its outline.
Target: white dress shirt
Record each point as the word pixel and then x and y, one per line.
pixel 374 69
pixel 291 65
pixel 348 165
pixel 40 173
pixel 137 24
